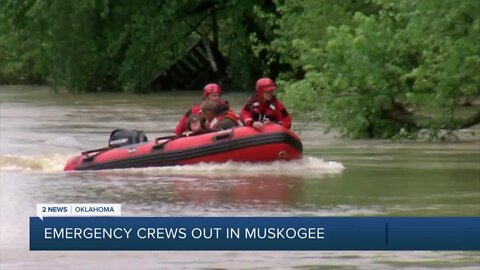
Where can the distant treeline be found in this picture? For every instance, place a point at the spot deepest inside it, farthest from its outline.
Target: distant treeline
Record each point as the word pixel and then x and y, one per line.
pixel 371 68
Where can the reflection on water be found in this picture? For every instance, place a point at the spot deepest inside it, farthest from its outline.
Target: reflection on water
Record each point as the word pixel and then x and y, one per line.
pixel 194 195
pixel 39 131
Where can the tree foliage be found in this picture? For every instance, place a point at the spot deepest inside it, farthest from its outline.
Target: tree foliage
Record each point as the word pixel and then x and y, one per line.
pixel 369 72
pixel 105 45
pixel 371 68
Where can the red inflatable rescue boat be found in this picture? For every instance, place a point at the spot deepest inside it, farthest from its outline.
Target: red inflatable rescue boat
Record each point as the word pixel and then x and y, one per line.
pixel 243 144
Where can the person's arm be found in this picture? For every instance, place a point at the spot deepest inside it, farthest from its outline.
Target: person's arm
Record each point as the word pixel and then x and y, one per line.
pixel 284 116
pixel 246 115
pixel 182 124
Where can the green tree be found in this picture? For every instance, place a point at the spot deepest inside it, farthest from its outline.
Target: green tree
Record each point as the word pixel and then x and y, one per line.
pixel 368 73
pixel 106 45
pixel 21 58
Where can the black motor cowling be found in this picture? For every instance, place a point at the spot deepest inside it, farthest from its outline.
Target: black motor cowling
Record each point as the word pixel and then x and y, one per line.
pixel 122 137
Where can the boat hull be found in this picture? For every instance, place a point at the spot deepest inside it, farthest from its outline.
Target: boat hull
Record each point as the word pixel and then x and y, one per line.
pixel 243 144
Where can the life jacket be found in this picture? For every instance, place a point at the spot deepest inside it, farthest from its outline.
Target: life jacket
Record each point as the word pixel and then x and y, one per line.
pixel 260 110
pixel 181 126
pixel 263 110
pixel 230 115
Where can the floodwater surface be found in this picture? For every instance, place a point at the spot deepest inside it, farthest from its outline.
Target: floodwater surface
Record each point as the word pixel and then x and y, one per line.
pixel 336 177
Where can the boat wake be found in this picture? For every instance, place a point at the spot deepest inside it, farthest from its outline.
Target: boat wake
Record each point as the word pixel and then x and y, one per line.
pixel 53 163
pixel 304 167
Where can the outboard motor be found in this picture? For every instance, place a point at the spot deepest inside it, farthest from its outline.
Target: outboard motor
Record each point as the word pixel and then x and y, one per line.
pixel 122 137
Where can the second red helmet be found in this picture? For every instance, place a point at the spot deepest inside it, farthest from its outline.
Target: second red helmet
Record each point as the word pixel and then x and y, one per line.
pixel 265 85
pixel 211 88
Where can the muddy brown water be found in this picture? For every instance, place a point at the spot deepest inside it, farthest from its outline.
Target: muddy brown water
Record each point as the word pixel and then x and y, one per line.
pixel 337 177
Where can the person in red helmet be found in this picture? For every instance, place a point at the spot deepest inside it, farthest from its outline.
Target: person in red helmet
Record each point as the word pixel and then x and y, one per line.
pixel 264 107
pixel 211 91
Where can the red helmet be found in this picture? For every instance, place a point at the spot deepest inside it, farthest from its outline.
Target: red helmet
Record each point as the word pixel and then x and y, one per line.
pixel 265 85
pixel 211 88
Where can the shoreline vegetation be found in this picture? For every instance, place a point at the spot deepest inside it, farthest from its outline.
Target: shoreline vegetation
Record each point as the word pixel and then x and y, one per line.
pixel 369 69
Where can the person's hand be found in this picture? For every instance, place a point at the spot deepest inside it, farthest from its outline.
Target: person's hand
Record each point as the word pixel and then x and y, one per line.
pixel 257 125
pixel 267 121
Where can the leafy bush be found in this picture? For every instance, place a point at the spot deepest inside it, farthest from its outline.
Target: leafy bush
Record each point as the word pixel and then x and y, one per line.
pixel 368 74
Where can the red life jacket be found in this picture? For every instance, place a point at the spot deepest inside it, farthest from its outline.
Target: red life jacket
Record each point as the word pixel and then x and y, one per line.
pixel 257 109
pixel 182 124
pixel 230 115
